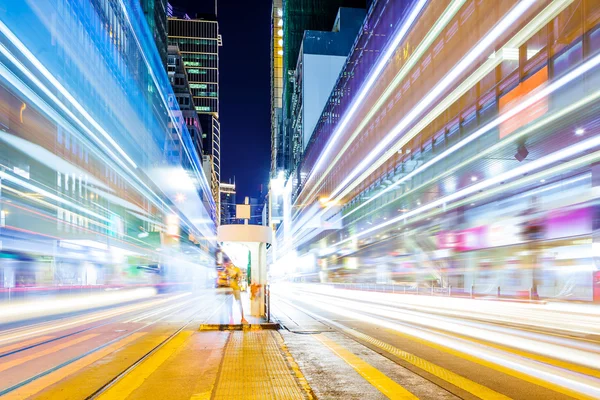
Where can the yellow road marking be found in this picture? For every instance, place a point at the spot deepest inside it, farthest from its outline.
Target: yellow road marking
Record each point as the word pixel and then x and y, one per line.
pixel 40 384
pixel 26 343
pixel 202 396
pixel 442 373
pixel 457 380
pixel 557 363
pixel 210 368
pixel 130 382
pixel 499 368
pixel 38 354
pixel 375 377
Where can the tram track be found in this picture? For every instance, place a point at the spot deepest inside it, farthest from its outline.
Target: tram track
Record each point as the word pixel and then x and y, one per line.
pixel 417 348
pixel 132 335
pixel 147 355
pixel 116 319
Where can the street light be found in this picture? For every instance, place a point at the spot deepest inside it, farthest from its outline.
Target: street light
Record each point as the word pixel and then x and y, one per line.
pixel 278 184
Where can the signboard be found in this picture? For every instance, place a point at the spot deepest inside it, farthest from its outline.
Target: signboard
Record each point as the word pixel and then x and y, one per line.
pixel 512 99
pixel 242 211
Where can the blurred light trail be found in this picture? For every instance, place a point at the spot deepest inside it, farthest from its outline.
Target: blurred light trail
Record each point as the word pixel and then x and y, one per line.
pixel 433 333
pixel 524 34
pixel 366 87
pixel 524 169
pixel 40 67
pixel 32 187
pixel 511 139
pixel 53 326
pixel 561 82
pixel 465 63
pixel 414 57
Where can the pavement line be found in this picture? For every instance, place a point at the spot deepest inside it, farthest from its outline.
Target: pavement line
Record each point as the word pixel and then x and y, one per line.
pixel 378 379
pixel 459 381
pixel 295 368
pixel 43 382
pixel 26 343
pixel 551 361
pixel 505 370
pixel 211 365
pixel 134 379
pixel 22 360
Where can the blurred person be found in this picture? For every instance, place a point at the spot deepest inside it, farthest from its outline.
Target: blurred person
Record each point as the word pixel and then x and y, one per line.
pixel 235 277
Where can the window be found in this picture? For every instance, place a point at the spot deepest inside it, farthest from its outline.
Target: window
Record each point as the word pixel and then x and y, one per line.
pixel 570 58
pixel 594 42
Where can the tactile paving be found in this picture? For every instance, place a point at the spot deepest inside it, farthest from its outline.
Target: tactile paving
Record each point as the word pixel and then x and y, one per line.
pixel 254 367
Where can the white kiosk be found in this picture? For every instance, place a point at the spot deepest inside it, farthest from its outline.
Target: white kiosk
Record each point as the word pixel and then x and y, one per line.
pixel 255 239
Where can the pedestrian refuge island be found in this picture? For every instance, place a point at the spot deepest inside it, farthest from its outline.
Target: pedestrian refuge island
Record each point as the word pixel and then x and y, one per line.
pixel 255 238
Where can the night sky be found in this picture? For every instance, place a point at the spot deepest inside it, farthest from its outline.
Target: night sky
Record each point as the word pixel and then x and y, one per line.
pixel 245 94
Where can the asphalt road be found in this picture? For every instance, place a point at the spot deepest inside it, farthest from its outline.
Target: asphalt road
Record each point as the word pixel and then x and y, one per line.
pixel 436 347
pixel 334 344
pixel 75 355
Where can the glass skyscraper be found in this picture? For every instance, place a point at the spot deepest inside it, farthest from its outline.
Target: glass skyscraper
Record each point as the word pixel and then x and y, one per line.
pixel 198 40
pixel 155 12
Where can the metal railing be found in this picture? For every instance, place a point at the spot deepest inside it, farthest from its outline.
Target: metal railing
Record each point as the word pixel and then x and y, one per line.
pixel 472 291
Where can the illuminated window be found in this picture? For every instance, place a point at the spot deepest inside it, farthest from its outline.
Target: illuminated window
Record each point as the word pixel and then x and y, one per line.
pixel 197 71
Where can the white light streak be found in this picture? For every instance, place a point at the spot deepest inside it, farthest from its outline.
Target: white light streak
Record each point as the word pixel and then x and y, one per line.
pixel 450 78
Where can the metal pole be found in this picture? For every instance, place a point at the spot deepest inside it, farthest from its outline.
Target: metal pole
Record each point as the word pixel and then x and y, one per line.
pixel 472 291
pixel 268 303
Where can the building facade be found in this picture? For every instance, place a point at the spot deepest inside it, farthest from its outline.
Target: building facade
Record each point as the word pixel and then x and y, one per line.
pixel 198 40
pixel 290 19
pixel 320 60
pixel 445 150
pixel 155 12
pixel 88 182
pixel 228 202
pixel 277 148
pixel 182 95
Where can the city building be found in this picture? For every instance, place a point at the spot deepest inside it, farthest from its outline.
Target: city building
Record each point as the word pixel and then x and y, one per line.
pixel 198 40
pixel 277 148
pixel 445 162
pixel 100 140
pixel 289 20
pixel 320 60
pixel 181 91
pixel 228 202
pixel 155 12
